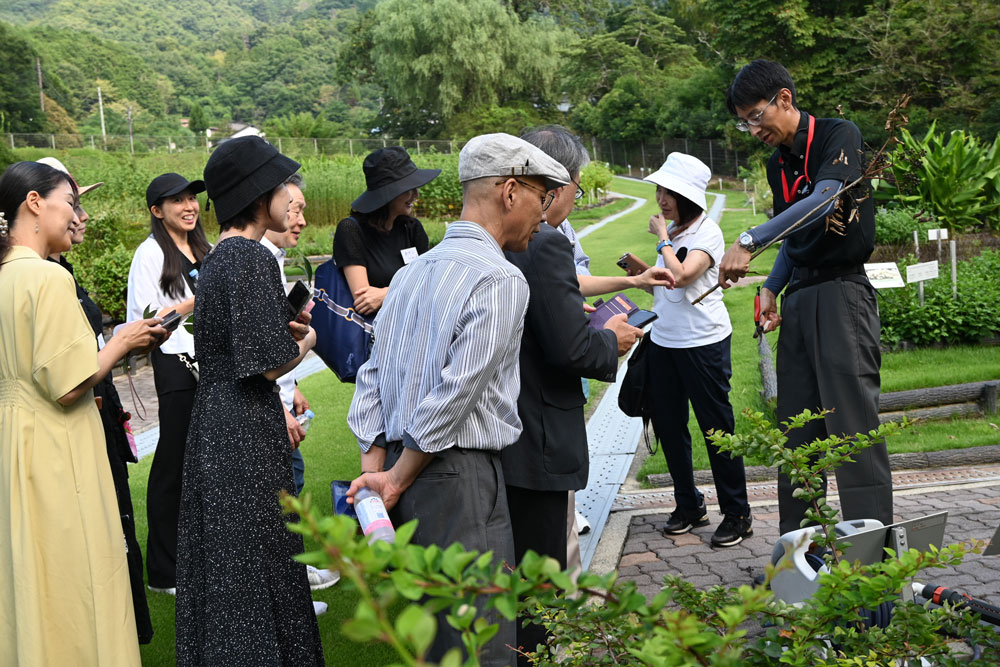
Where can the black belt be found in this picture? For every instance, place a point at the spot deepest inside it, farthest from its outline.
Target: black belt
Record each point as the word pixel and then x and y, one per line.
pixel 806 277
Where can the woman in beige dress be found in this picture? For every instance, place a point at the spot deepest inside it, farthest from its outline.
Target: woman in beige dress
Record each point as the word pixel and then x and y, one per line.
pixel 64 586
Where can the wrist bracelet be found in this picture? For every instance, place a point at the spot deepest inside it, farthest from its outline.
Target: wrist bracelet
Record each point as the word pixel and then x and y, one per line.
pixel 662 243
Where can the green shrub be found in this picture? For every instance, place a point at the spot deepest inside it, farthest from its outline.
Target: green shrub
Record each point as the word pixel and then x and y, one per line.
pixel 956 177
pixel 106 277
pixel 895 225
pixel 975 313
pixel 442 197
pixel 595 176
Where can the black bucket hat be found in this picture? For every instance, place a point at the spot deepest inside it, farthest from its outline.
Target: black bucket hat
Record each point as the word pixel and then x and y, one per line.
pixel 242 169
pixel 389 172
pixel 167 185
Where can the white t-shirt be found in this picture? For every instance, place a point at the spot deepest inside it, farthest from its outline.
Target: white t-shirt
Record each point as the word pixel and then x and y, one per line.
pixel 144 291
pixel 286 383
pixel 681 325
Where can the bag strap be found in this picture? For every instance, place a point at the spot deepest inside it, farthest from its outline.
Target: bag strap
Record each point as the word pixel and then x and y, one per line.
pixel 347 313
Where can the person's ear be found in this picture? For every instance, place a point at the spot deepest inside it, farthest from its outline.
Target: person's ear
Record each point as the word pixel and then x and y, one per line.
pixel 157 211
pixel 33 201
pixel 785 96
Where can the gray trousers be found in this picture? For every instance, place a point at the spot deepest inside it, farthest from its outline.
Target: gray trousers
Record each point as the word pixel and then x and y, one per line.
pixel 829 357
pixel 461 497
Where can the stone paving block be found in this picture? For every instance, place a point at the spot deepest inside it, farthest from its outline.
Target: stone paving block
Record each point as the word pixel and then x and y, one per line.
pixel 629 572
pixel 704 580
pixel 676 551
pixel 658 566
pixel 687 539
pixel 633 547
pixel 715 556
pixel 637 558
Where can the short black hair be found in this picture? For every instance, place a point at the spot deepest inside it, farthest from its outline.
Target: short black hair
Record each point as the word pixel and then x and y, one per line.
pixel 249 213
pixel 687 210
pixel 760 80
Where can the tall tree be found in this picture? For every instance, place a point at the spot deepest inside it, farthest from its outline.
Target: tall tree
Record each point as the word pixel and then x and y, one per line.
pixel 439 56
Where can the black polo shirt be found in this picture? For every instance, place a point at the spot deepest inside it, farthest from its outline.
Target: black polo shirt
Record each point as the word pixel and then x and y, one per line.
pixel 836 152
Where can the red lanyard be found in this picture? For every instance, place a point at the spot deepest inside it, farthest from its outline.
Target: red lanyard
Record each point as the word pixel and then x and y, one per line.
pixel 790 194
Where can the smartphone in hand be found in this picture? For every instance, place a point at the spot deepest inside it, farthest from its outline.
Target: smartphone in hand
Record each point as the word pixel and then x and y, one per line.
pixel 171 320
pixel 299 296
pixel 632 264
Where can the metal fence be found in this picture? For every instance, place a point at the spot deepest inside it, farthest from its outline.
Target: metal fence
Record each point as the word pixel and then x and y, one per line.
pixel 636 159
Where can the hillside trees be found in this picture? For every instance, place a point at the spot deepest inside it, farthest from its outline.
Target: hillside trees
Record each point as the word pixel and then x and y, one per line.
pixel 20 109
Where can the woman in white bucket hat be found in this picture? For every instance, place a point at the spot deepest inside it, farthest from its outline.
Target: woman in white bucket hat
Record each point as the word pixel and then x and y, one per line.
pixel 689 355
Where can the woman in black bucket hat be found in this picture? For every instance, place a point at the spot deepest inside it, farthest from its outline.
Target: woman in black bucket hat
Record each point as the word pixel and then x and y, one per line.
pixel 241 599
pixel 381 235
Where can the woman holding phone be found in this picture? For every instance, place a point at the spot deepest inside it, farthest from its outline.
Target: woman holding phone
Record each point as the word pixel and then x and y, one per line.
pixel 689 353
pixel 162 279
pixel 64 579
pixel 241 598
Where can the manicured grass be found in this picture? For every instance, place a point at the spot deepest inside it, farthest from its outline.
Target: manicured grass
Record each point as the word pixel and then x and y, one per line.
pixel 581 218
pixel 330 452
pixel 930 367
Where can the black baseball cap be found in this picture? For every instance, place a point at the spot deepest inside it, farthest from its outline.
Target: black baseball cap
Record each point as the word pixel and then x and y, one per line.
pixel 167 185
pixel 242 169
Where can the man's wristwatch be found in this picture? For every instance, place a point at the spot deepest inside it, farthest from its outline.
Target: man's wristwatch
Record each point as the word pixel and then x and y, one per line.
pixel 662 243
pixel 746 242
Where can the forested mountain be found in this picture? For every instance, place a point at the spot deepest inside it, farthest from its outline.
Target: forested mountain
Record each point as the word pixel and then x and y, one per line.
pixel 451 68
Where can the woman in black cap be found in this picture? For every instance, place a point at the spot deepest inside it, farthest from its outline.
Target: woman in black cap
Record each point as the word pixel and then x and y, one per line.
pixel 381 235
pixel 241 598
pixel 160 279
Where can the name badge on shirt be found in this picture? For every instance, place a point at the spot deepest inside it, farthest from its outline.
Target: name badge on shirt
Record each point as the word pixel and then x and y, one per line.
pixel 409 254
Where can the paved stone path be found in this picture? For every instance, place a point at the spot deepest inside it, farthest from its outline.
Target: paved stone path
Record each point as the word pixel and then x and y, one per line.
pixel 648 555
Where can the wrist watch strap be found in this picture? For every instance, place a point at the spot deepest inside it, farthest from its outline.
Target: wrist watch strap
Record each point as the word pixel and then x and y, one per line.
pixel 663 242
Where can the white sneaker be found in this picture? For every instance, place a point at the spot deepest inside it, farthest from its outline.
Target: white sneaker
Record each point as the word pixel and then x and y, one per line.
pixel 582 525
pixel 320 579
pixel 319 607
pixel 169 591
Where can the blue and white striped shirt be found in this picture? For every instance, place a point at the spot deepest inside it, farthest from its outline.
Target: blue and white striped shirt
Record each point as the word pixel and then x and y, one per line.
pixel 444 368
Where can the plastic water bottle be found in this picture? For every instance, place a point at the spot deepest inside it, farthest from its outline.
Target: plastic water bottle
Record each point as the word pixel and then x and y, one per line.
pixel 305 419
pixel 373 516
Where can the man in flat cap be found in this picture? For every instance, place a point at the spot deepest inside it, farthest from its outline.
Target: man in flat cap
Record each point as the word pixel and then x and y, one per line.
pixel 437 400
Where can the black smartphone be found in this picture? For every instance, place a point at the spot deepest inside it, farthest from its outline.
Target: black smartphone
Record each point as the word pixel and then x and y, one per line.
pixel 299 297
pixel 640 318
pixel 171 320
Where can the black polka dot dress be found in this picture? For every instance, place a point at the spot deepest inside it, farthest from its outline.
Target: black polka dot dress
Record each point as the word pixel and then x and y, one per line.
pixel 241 599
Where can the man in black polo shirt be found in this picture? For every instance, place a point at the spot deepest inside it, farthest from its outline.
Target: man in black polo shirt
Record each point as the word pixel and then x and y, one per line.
pixel 828 350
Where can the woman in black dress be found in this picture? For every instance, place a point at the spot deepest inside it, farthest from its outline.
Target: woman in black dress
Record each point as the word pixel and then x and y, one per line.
pixel 241 599
pixel 381 235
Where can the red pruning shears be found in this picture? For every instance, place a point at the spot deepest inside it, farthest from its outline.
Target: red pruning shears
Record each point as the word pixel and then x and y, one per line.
pixel 758 329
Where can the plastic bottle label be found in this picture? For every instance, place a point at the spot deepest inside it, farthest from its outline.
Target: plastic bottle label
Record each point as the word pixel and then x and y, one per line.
pixel 372 514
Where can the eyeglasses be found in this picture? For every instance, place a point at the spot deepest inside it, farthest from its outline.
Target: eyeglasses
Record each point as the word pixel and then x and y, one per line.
pixel 579 190
pixel 547 196
pixel 754 120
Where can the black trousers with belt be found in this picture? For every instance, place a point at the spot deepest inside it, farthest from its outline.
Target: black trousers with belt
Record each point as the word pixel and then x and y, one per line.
pixel 829 357
pixel 175 388
pixel 699 375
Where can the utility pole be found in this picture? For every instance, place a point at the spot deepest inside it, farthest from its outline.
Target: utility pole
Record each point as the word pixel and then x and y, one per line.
pixel 131 145
pixel 100 106
pixel 41 90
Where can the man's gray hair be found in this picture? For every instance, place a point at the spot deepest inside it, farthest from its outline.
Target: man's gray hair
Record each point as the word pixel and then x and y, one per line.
pixel 297 180
pixel 561 145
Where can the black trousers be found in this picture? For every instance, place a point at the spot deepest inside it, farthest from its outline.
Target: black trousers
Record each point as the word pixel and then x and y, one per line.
pixel 699 375
pixel 175 388
pixel 538 519
pixel 460 497
pixel 829 357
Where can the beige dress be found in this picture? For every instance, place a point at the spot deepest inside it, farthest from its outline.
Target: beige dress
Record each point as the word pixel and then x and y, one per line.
pixel 64 586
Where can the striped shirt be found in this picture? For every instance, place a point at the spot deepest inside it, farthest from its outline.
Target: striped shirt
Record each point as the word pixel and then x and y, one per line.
pixel 444 368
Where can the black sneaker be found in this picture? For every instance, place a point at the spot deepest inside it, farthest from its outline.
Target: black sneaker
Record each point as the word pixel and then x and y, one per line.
pixel 732 530
pixel 681 521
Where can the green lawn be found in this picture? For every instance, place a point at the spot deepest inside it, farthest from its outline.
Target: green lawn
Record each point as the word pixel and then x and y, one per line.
pixel 581 218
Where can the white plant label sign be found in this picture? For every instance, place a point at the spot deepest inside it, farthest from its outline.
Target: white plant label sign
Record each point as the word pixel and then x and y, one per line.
pixel 922 271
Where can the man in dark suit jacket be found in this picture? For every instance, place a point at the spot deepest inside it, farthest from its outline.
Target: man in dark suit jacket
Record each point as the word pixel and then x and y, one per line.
pixel 557 349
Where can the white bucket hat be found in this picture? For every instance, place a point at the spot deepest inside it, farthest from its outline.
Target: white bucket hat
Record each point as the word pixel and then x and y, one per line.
pixel 684 174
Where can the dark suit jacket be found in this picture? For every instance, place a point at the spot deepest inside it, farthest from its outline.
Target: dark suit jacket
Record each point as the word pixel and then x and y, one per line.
pixel 558 348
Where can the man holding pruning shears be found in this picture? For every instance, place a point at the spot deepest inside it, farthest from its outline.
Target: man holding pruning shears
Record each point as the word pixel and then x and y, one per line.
pixel 828 350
